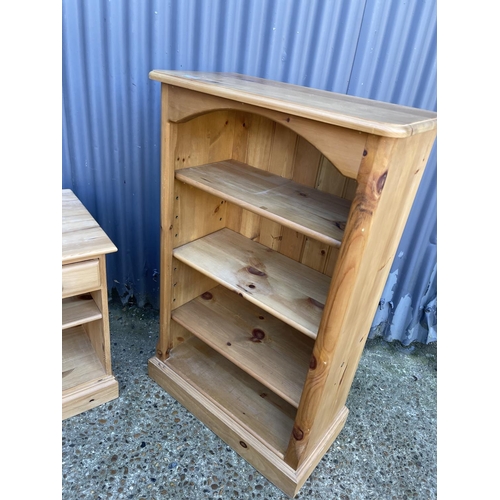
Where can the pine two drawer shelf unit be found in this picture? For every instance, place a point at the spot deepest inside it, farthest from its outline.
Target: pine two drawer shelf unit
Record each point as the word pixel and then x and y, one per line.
pixel 281 210
pixel 87 379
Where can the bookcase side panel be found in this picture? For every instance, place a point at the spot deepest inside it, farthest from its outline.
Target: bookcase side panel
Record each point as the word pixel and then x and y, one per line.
pixel 398 189
pixel 204 139
pixel 196 213
pixel 167 220
pixel 387 183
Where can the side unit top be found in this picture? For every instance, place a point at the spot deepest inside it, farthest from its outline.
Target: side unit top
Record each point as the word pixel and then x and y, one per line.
pixel 82 237
pixel 356 113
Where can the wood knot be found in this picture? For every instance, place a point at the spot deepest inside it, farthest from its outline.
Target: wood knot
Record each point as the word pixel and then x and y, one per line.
pixel 313 363
pixel 298 434
pixel 255 271
pixel 381 182
pixel 257 335
pixel 206 296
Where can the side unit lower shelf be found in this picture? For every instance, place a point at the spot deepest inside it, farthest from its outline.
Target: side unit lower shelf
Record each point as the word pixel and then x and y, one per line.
pixel 86 383
pixel 79 310
pixel 80 362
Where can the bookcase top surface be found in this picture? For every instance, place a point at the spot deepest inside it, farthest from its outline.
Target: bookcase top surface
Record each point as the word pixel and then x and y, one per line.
pixel 82 237
pixel 364 115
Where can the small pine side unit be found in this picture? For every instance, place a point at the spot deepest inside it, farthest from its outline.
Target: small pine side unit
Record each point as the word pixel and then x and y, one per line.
pixel 87 379
pixel 281 210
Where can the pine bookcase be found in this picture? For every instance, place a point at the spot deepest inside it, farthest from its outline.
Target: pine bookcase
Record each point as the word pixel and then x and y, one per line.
pixel 281 210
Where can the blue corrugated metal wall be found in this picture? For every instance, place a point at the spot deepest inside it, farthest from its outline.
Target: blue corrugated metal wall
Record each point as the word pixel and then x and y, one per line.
pixel 382 49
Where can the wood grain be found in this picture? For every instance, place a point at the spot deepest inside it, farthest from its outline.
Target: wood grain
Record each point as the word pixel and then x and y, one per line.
pixel 366 115
pixel 288 290
pixel 169 139
pixel 266 348
pixel 87 378
pixel 82 237
pixel 88 395
pixel 187 283
pixel 79 310
pixel 380 208
pixel 213 135
pixel 342 146
pixel 196 213
pixel 269 418
pixel 317 214
pixel 255 144
pixel 80 363
pixel 80 277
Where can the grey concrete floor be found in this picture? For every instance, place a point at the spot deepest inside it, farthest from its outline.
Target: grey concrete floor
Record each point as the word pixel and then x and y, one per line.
pixel 145 445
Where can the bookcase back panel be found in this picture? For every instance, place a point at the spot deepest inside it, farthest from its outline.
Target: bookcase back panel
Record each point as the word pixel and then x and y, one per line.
pixel 310 252
pixel 268 145
pixel 264 144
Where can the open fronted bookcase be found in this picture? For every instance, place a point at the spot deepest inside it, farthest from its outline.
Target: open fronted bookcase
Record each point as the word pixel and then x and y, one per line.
pixel 281 210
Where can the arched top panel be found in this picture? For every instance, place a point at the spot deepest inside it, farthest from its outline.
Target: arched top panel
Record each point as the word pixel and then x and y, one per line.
pixel 341 146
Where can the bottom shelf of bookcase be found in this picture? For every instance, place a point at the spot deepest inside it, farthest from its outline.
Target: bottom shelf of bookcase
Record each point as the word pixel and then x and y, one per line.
pixel 256 423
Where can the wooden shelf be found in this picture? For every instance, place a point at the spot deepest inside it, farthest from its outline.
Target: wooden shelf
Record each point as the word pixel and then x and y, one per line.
pixel 318 215
pixel 80 363
pixel 290 291
pixel 269 350
pixel 243 399
pixel 79 310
